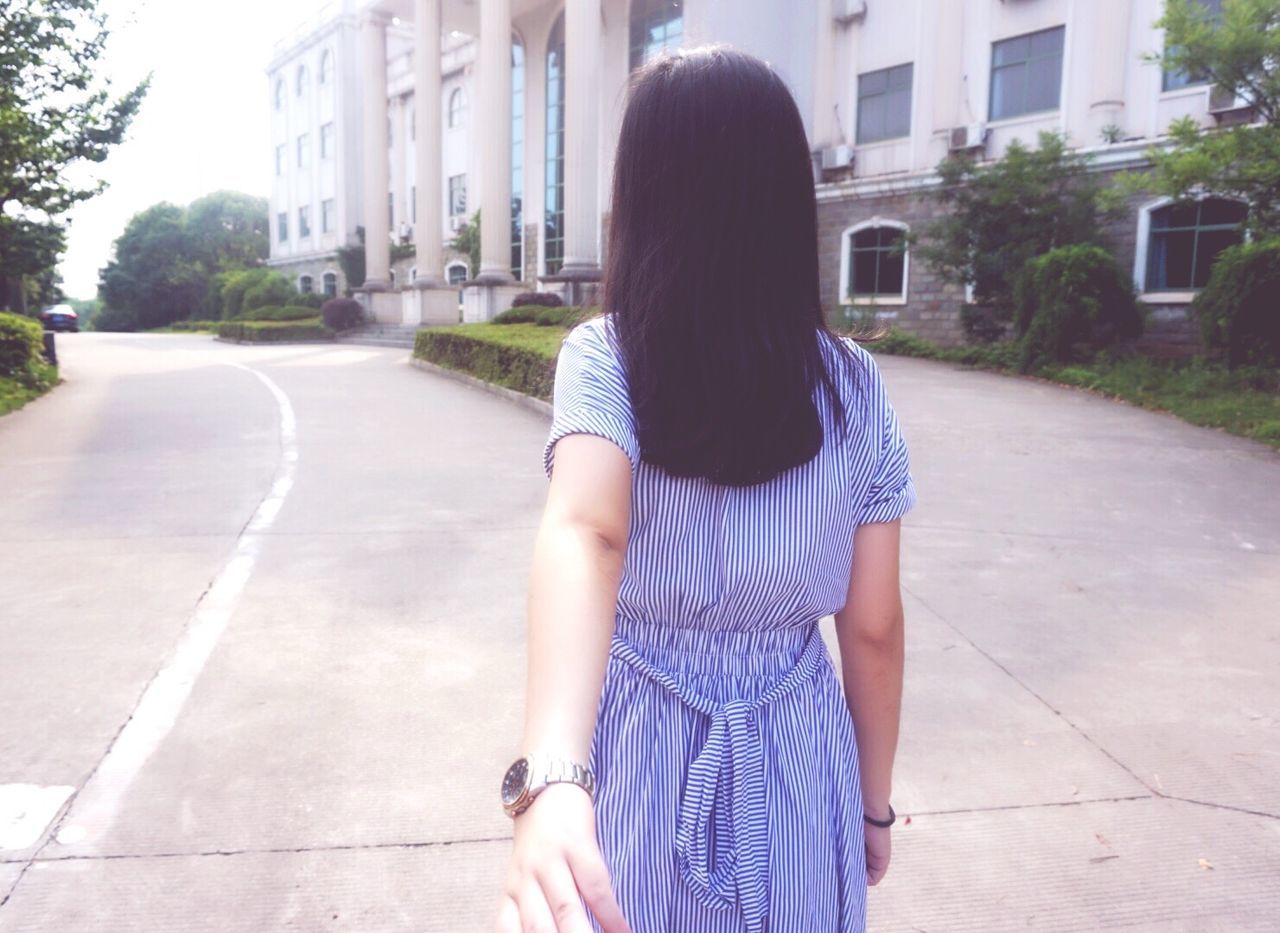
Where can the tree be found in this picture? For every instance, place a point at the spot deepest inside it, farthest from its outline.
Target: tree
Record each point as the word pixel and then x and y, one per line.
pixel 998 215
pixel 1237 50
pixel 467 241
pixel 55 112
pixel 229 230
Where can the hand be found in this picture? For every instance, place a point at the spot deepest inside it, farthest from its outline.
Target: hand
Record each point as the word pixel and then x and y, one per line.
pixel 556 865
pixel 878 845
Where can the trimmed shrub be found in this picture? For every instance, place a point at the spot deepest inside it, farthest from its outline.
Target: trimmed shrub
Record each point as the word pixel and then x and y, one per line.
pixel 518 368
pixel 195 326
pixel 273 291
pixel 274 331
pixel 539 299
pixel 1239 310
pixel 21 344
pixel 562 317
pixel 525 314
pixel 1070 303
pixel 342 313
pixel 312 300
pixel 235 284
pixel 273 313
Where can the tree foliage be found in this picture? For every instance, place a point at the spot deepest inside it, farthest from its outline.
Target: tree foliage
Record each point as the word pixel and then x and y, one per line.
pixel 1239 52
pixel 996 216
pixel 55 112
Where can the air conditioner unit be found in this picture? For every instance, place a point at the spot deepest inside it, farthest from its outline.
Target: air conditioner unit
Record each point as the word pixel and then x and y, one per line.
pixel 1222 101
pixel 836 157
pixel 970 136
pixel 846 11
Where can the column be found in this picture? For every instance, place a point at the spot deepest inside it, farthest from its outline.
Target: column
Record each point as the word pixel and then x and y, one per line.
pixel 428 237
pixel 1110 40
pixel 824 80
pixel 494 141
pixel 948 77
pixel 377 182
pixel 582 139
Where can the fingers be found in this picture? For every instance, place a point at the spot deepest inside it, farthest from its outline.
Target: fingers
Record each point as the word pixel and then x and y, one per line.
pixel 592 878
pixel 508 916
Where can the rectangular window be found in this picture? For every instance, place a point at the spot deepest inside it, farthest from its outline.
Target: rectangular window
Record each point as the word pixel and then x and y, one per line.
pixel 413 204
pixel 327 216
pixel 304 222
pixel 884 104
pixel 391 211
pixel 326 141
pixel 1026 74
pixel 877 263
pixel 457 195
pixel 282 226
pixel 1186 238
pixel 1174 80
pixel 281 157
pixel 304 150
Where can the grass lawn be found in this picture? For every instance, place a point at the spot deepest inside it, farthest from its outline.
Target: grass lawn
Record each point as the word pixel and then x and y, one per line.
pixel 540 339
pixel 15 393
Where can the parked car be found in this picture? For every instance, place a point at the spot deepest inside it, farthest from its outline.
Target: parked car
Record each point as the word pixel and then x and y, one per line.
pixel 60 317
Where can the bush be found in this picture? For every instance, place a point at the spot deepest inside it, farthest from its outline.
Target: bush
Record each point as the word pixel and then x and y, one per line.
pixel 195 326
pixel 1070 303
pixel 274 331
pixel 272 291
pixel 235 284
pixel 273 313
pixel 520 368
pixel 117 320
pixel 342 313
pixel 540 299
pixel 1239 310
pixel 525 314
pixel 561 317
pixel 21 344
pixel 982 323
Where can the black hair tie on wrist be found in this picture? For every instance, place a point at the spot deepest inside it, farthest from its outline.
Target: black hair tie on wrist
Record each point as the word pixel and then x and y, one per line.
pixel 883 824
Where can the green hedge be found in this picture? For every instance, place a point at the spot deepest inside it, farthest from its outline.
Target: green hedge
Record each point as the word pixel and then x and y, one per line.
pixel 484 351
pixel 274 331
pixel 1239 310
pixel 545 316
pixel 21 344
pixel 278 313
pixel 195 326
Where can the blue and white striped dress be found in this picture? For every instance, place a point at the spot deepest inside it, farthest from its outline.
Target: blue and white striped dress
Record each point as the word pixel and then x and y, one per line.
pixel 728 796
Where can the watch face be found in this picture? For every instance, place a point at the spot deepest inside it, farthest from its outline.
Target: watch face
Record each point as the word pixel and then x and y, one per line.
pixel 515 781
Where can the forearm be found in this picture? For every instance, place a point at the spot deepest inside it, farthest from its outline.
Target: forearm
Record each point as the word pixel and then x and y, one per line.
pixel 872 669
pixel 573 592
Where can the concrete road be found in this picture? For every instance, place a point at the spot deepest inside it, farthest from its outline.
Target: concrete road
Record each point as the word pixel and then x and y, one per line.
pixel 261 650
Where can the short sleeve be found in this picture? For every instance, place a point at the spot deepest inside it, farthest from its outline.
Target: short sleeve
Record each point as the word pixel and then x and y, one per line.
pixel 590 394
pixel 892 491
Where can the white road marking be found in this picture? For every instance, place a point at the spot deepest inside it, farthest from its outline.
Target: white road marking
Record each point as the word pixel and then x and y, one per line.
pixel 25 811
pixel 93 811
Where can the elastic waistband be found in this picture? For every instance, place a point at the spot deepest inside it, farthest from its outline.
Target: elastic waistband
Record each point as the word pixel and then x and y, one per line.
pixel 740 652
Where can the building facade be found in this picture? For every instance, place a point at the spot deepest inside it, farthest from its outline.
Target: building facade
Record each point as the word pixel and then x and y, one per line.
pixel 513 107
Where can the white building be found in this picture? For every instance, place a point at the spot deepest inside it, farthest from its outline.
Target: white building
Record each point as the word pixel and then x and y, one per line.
pixel 524 94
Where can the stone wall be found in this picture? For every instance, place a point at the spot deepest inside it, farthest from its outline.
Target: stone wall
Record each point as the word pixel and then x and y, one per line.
pixel 314 266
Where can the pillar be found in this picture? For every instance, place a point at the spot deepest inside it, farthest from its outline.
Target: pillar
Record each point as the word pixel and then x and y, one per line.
pixel 582 139
pixel 428 237
pixel 1110 39
pixel 494 141
pixel 377 183
pixel 948 62
pixel 824 80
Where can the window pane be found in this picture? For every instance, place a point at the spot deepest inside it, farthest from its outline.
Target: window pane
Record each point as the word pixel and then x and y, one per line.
pixel 871 119
pixel 864 272
pixel 1211 243
pixel 900 77
pixel 1044 81
pixel 1221 211
pixel 1173 254
pixel 1047 43
pixel 873 82
pixel 898 114
pixel 867 238
pixel 1011 50
pixel 892 269
pixel 1008 86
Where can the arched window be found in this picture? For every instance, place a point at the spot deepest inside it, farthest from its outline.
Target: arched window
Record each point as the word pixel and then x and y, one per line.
pixel 280 93
pixel 1179 241
pixel 393 278
pixel 874 263
pixel 330 284
pixel 413 274
pixel 553 217
pixel 326 66
pixel 517 158
pixel 302 80
pixel 457 108
pixel 656 26
pixel 306 284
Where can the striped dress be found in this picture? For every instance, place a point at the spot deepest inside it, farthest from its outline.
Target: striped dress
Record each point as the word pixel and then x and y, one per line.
pixel 728 796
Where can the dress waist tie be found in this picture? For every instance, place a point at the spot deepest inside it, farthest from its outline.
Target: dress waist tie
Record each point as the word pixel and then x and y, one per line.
pixel 733 751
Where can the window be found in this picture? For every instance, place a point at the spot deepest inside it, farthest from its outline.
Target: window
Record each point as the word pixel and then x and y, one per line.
pixel 306 285
pixel 281 158
pixel 326 141
pixel 456 273
pixel 328 216
pixel 656 26
pixel 282 226
pixel 391 211
pixel 1174 80
pixel 302 80
pixel 304 222
pixel 330 284
pixel 393 278
pixel 457 108
pixel 413 204
pixel 457 195
pixel 884 104
pixel 304 150
pixel 517 160
pixel 874 264
pixel 1184 239
pixel 1026 74
pixel 553 212
pixel 413 274
pixel 326 66
pixel 280 93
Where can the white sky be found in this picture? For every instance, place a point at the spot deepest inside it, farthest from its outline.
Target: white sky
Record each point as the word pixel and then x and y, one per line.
pixel 204 125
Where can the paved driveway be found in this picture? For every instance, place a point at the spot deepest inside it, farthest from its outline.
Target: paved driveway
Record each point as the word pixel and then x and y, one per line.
pixel 262 613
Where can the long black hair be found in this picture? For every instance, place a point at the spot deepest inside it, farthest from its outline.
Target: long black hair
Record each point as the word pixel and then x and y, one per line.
pixel 712 271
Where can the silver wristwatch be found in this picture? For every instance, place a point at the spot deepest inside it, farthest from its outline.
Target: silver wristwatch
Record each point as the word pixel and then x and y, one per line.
pixel 527 777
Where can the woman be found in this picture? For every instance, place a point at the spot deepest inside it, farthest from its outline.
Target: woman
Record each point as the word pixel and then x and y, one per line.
pixel 724 471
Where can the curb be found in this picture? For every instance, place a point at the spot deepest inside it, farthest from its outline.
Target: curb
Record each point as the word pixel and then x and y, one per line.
pixel 511 395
